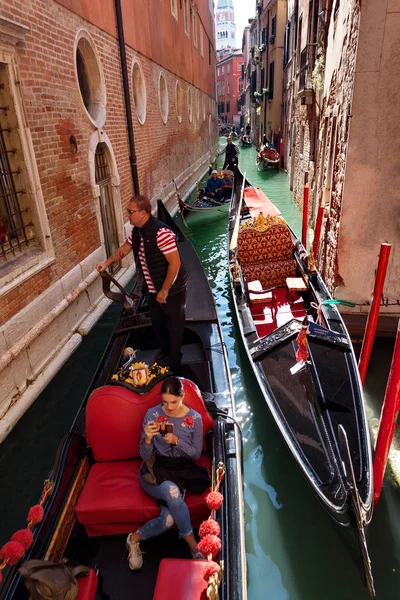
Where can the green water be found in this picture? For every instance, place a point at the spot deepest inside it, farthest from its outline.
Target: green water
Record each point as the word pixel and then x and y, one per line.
pixel 294 551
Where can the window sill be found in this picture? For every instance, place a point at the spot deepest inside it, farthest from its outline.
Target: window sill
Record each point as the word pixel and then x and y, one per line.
pixel 20 268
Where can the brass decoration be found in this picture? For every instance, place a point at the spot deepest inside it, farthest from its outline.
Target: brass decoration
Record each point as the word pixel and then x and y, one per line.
pixel 55 551
pixel 214 583
pixel 261 223
pixel 140 374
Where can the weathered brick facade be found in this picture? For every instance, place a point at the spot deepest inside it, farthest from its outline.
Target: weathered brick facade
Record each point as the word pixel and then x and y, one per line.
pixel 44 64
pixel 341 82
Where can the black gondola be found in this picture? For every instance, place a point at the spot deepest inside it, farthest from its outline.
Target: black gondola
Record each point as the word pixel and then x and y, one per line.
pixel 97 537
pixel 302 358
pixel 204 208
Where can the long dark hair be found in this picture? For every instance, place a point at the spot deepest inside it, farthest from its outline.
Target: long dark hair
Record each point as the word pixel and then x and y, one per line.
pixel 172 385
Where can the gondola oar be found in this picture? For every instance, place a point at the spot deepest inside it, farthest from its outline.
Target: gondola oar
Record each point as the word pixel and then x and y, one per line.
pixel 122 298
pixel 180 202
pixel 234 239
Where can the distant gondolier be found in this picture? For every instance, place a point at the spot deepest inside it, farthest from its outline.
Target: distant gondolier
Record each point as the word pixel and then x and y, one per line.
pixel 231 152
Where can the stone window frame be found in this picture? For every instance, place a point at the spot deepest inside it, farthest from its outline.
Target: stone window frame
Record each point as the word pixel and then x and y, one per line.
pixel 100 91
pixel 204 107
pixel 195 35
pixel 197 105
pixel 24 266
pixel 186 17
pixel 201 40
pixel 178 101
pixel 190 103
pixel 99 137
pixel 163 111
pixel 141 111
pixel 174 9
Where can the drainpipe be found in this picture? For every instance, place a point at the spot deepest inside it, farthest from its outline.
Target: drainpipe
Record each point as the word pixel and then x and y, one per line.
pixel 128 110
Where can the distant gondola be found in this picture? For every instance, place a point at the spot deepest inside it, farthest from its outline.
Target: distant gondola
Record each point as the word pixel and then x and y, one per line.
pixel 95 495
pixel 245 141
pixel 302 358
pixel 204 208
pixel 268 156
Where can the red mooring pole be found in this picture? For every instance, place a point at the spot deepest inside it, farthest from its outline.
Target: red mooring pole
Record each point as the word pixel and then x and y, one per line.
pixel 372 320
pixel 305 217
pixel 317 233
pixel 390 409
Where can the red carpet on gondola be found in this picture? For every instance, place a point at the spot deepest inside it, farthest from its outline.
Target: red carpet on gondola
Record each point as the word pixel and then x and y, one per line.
pixel 262 313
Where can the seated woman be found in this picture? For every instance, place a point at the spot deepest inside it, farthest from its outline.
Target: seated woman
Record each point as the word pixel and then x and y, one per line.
pixel 227 183
pixel 172 438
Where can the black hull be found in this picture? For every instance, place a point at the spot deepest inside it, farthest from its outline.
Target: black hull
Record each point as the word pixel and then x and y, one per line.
pixel 309 406
pixel 205 362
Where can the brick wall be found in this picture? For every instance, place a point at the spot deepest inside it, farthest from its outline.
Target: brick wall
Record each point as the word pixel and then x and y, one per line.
pixel 54 111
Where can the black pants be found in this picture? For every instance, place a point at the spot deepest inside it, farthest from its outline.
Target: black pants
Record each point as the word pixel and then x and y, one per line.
pixel 230 162
pixel 168 322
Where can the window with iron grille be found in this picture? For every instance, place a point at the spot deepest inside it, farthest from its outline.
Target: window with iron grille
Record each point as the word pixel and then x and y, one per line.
pixel 16 226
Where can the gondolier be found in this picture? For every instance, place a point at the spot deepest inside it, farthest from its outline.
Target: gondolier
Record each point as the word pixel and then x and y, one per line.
pixel 159 268
pixel 231 152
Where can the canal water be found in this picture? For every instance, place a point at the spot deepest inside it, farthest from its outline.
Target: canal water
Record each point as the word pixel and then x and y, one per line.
pixel 294 550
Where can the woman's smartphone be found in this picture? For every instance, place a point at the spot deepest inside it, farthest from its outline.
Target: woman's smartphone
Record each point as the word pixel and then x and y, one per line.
pixel 166 428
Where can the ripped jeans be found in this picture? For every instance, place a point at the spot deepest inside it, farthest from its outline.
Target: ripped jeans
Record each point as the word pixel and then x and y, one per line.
pixel 174 511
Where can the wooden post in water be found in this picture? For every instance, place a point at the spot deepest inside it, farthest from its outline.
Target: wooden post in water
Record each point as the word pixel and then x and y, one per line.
pixel 305 212
pixel 317 233
pixel 387 424
pixel 372 320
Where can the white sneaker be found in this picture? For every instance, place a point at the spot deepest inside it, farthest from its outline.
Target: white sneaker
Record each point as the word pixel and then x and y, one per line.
pixel 135 557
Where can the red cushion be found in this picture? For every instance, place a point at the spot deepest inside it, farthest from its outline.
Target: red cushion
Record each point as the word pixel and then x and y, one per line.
pixel 114 417
pixel 87 586
pixel 184 577
pixel 112 497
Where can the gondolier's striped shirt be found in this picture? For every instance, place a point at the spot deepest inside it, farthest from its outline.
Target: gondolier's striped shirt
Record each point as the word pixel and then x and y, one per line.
pixel 166 242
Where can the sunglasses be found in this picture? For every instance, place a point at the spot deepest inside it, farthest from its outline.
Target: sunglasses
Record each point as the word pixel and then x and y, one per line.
pixel 130 211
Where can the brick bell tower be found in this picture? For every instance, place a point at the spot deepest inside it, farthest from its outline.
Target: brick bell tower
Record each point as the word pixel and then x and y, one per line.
pixel 225 24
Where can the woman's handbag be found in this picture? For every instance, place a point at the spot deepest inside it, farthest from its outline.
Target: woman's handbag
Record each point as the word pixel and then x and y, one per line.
pixel 45 580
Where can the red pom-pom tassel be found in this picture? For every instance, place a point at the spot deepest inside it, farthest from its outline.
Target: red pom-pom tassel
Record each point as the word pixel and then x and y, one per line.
pixel 35 513
pixel 12 552
pixel 210 544
pixel 209 527
pixel 24 537
pixel 211 569
pixel 214 500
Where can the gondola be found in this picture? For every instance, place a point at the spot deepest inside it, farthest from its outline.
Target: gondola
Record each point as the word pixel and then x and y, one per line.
pixel 204 209
pixel 267 157
pixel 92 498
pixel 302 358
pixel 245 141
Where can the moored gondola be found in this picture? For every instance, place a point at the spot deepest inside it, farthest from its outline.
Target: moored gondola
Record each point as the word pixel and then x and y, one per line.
pixel 302 358
pixel 93 499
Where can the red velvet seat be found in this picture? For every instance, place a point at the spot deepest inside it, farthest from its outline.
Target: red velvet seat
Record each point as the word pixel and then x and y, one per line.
pixel 112 500
pixel 184 577
pixel 87 586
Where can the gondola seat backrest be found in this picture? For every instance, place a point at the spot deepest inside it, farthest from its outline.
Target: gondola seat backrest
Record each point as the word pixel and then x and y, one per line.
pixel 114 417
pixel 112 500
pixel 265 251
